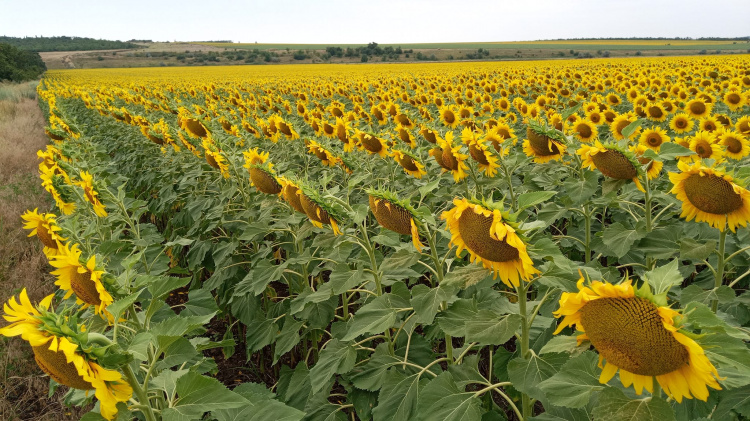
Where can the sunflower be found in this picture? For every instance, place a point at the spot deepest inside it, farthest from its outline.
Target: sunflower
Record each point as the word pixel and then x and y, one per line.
pixel 656 112
pixel 408 162
pixel 45 227
pixel 372 144
pixel 428 134
pixel 611 161
pixel 325 156
pixel 620 123
pixel 254 156
pixel 479 151
pixel 448 116
pixel 705 146
pixel 736 146
pixel 639 338
pixel 342 133
pixel 451 158
pixel 403 120
pixel 734 100
pixel 709 195
pixel 83 280
pixel 90 194
pixel 540 146
pixel 698 108
pixel 214 157
pixel 395 215
pixel 405 136
pixel 262 177
pixel 653 168
pixel 318 210
pixel 681 123
pixel 489 234
pixel 379 115
pixel 708 123
pixel 585 130
pixel 286 129
pixel 58 185
pixel 64 358
pixel 194 127
pixel 743 125
pixel 653 138
pixel 289 191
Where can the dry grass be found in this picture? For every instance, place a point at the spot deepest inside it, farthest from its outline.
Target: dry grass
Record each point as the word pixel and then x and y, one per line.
pixel 23 387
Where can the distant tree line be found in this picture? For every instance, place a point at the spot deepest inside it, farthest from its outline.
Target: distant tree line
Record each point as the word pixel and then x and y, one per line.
pixel 653 38
pixel 18 65
pixel 65 43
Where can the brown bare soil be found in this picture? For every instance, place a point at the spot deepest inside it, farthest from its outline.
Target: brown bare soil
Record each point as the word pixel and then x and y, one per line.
pixel 23 386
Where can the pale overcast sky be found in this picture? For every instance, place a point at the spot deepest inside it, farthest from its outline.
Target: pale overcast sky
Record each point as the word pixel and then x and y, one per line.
pixel 383 21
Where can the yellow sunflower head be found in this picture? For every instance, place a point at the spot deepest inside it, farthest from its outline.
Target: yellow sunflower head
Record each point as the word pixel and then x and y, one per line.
pixel 705 145
pixel 698 108
pixel 81 278
pixel 409 162
pixel 449 117
pixel 653 138
pixel 44 226
pixel 214 158
pixel 320 211
pixel 486 160
pixel 394 214
pixel 709 195
pixel 489 234
pixel 655 112
pixel 611 160
pixel 254 157
pixel 543 143
pixel 639 338
pixel 451 158
pixel 619 124
pixel 289 191
pixel 65 357
pixel 681 123
pixel 585 130
pixel 709 124
pixel 91 194
pixel 652 167
pixel 736 145
pixel 428 134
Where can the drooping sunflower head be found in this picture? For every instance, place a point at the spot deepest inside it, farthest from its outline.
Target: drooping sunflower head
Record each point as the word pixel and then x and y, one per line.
pixel 90 193
pixel 214 158
pixel 194 127
pixel 263 178
pixel 451 158
pixel 394 214
pixel 44 226
pixel 490 235
pixel 710 195
pixel 409 162
pixel 486 160
pixel 543 143
pixel 638 337
pixel 429 134
pixel 405 135
pixel 611 160
pixel 320 211
pixel 372 144
pixel 289 191
pixel 80 277
pixel 62 351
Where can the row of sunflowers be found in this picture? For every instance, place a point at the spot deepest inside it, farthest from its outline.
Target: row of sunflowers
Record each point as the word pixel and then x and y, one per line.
pixel 556 240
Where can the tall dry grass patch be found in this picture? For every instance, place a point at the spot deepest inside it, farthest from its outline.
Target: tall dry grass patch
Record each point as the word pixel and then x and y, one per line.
pixel 23 387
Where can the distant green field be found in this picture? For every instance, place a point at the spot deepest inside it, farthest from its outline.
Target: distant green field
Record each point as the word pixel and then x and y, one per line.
pixel 562 45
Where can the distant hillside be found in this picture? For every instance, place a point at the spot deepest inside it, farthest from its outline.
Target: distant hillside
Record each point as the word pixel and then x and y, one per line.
pixel 18 65
pixel 64 43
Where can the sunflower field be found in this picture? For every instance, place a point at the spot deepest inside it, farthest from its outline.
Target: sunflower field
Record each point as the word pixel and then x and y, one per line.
pixel 562 240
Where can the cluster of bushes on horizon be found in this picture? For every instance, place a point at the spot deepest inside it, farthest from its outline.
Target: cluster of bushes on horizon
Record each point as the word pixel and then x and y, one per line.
pixel 65 43
pixel 18 65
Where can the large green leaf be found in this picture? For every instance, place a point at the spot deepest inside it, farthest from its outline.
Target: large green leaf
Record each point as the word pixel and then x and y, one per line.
pixel 261 407
pixel 573 385
pixel 442 400
pixel 336 358
pixel 398 397
pixel 489 329
pixel 613 405
pixel 619 239
pixel 527 374
pixel 197 395
pixel 664 277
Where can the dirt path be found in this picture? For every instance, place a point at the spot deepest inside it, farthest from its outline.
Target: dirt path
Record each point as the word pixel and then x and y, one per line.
pixel 23 386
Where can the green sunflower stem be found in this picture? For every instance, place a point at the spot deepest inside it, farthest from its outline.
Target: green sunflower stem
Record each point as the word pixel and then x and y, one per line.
pixel 526 404
pixel 587 218
pixel 376 274
pixel 649 217
pixel 719 279
pixel 139 393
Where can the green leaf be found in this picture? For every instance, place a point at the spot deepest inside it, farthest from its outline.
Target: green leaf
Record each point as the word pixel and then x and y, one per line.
pixel 398 397
pixel 336 358
pixel 573 385
pixel 489 329
pixel 613 405
pixel 197 395
pixel 453 320
pixel 288 337
pixel 671 150
pixel 733 400
pixel 664 277
pixel 260 333
pixel 372 375
pixel 693 250
pixel 120 305
pixel 631 128
pixel 694 293
pixel 571 110
pixel 426 301
pixel 200 302
pixel 167 380
pixel 261 407
pixel 620 239
pixel 563 343
pixel 161 286
pixel 375 317
pixel 527 374
pixel 581 191
pixel 527 200
pixel 465 276
pixel 327 412
pixel 343 278
pixel 442 400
